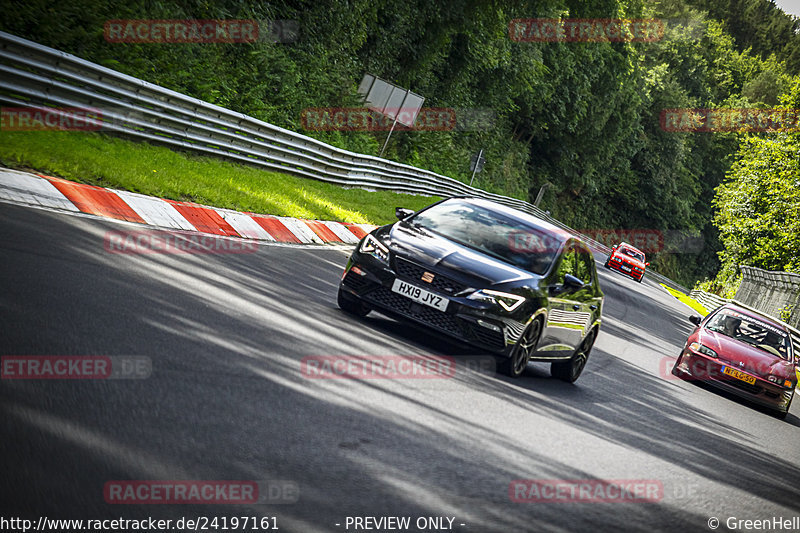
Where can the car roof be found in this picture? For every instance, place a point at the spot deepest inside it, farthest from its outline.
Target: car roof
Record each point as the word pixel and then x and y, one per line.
pixel 755 314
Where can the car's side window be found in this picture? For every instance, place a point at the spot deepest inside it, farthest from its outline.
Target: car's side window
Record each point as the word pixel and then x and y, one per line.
pixel 568 264
pixel 584 267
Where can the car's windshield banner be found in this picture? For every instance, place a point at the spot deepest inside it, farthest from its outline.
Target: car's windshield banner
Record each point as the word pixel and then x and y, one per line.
pixel 759 323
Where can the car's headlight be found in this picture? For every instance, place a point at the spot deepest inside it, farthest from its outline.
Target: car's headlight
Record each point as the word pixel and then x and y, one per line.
pixel 705 350
pixel 507 301
pixel 372 246
pixel 778 380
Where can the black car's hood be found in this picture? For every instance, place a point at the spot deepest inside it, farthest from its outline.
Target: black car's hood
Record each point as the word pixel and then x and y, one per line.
pixel 443 255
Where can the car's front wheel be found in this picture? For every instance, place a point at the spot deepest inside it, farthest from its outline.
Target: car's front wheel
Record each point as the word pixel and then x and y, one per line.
pixel 515 365
pixel 782 414
pixel 351 305
pixel 571 369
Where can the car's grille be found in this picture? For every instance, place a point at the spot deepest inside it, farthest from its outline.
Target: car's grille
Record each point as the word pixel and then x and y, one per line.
pixel 424 314
pixel 488 337
pixel 436 319
pixel 440 320
pixel 355 281
pixel 387 298
pixel 413 272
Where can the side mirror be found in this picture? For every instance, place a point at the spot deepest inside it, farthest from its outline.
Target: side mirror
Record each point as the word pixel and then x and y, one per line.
pixel 402 212
pixel 694 319
pixel 647 264
pixel 573 283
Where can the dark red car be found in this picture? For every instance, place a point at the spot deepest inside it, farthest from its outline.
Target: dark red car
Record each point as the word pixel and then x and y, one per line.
pixel 742 352
pixel 628 260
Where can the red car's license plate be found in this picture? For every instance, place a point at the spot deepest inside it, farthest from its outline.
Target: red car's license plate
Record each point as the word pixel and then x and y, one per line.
pixel 739 375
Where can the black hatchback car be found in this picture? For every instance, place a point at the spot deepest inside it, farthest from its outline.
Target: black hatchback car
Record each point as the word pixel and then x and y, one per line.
pixel 489 275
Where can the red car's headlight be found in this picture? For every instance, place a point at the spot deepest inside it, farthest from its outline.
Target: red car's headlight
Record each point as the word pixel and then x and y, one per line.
pixel 705 350
pixel 779 380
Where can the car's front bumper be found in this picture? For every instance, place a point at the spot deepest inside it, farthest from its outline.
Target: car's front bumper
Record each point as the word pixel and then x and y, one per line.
pixel 614 265
pixel 701 367
pixel 469 321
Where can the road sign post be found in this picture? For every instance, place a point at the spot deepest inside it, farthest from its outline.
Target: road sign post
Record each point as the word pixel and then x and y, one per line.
pixel 400 105
pixel 476 165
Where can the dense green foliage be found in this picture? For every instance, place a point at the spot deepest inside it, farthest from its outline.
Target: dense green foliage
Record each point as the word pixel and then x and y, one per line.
pixel 582 117
pixel 760 25
pixel 759 203
pixel 759 216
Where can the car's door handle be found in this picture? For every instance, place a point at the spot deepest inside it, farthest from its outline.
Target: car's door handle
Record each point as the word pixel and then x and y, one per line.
pixel 593 307
pixel 576 307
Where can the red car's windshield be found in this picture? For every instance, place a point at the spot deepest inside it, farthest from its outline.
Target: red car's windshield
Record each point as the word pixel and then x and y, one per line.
pixel 633 253
pixel 766 337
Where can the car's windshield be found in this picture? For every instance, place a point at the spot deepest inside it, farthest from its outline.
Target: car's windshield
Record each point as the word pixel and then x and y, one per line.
pixel 747 329
pixel 496 234
pixel 633 253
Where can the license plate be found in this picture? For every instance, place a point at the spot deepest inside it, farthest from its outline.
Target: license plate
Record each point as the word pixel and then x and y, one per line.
pixel 625 268
pixel 420 295
pixel 739 375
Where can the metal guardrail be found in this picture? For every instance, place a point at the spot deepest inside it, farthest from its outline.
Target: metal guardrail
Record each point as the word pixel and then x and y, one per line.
pixel 708 300
pixel 36 76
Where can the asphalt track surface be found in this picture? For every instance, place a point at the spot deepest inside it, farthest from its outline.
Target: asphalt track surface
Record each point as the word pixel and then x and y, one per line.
pixel 226 400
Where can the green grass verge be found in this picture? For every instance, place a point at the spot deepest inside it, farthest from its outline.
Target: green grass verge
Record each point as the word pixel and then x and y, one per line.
pixel 106 161
pixel 691 302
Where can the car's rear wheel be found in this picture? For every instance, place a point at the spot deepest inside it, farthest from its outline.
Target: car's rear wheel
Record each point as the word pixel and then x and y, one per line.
pixel 571 369
pixel 515 365
pixel 351 305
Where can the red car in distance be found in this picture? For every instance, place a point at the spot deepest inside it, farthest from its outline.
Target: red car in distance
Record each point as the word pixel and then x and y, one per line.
pixel 743 352
pixel 628 260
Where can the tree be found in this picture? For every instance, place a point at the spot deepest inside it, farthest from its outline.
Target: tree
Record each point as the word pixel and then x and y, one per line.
pixel 759 203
